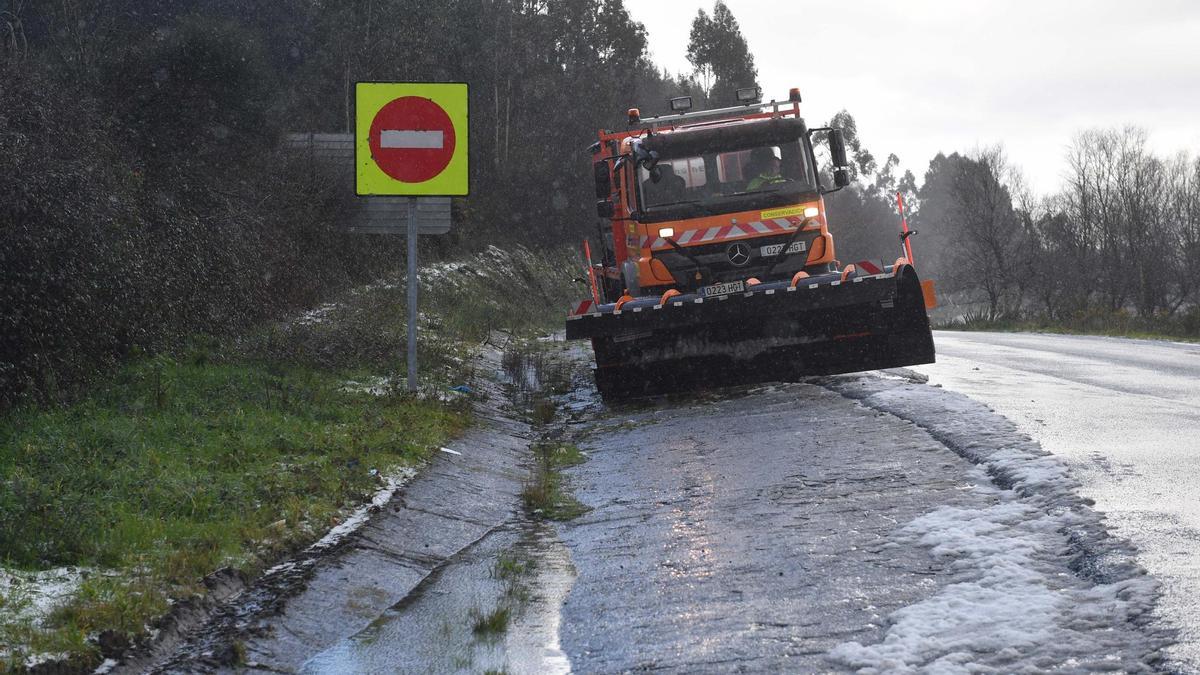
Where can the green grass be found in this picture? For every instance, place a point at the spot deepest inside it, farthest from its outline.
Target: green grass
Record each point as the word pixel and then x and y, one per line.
pixel 510 568
pixel 490 625
pixel 1183 326
pixel 237 451
pixel 180 467
pixel 545 495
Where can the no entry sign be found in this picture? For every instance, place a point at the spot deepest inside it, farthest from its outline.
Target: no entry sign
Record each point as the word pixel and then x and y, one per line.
pixel 411 138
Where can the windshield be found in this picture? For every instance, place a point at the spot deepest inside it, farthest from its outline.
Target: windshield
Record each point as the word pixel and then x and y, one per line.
pixel 714 178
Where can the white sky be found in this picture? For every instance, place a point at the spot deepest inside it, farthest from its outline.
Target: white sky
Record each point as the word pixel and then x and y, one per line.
pixel 922 76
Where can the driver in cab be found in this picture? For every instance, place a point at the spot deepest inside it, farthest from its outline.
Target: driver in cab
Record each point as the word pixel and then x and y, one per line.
pixel 767 163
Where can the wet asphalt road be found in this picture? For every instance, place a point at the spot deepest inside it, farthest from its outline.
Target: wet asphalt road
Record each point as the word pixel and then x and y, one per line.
pixel 1125 415
pixel 863 522
pixel 751 533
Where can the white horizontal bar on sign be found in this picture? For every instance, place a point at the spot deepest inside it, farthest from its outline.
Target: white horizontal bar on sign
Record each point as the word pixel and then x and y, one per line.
pixel 399 230
pixel 410 140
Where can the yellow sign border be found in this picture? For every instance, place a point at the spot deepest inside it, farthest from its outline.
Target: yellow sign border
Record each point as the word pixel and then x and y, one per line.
pixel 370 180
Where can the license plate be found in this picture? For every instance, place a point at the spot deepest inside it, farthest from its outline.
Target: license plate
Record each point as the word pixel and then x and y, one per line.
pixel 774 249
pixel 724 289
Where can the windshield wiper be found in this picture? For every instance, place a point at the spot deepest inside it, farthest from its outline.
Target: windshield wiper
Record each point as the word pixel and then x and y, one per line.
pixel 773 188
pixel 686 201
pixel 690 202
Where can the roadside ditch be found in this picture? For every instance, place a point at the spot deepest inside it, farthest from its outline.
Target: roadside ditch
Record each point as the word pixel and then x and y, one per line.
pixel 460 571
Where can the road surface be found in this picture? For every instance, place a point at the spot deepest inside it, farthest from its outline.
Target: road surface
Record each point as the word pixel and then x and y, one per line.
pixel 863 523
pixel 1125 415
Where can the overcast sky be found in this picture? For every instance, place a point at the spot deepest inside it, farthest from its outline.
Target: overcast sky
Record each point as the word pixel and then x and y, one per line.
pixel 923 76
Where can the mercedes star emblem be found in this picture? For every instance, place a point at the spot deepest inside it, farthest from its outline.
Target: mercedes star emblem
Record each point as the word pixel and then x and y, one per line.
pixel 739 253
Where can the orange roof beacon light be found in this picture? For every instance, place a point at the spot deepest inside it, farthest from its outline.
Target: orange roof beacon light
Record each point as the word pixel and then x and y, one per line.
pixel 707 272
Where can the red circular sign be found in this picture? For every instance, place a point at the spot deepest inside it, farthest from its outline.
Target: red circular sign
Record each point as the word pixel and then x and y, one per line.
pixel 412 139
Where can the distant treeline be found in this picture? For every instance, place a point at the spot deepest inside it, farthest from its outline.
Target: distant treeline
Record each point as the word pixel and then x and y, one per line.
pixel 1120 239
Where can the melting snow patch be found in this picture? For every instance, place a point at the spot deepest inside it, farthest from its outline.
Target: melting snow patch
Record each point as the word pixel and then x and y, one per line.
pixel 28 598
pixel 1036 582
pixel 375 386
pixel 32 596
pixel 387 386
pixel 315 316
pixel 1012 602
pixel 335 535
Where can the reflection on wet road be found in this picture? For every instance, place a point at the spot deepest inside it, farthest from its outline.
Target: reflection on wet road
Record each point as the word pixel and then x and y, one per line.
pixel 1125 414
pixel 523 570
pixel 750 532
pixel 792 529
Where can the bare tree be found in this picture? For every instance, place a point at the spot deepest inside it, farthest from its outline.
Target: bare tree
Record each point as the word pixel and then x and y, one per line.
pixel 968 202
pixel 1124 205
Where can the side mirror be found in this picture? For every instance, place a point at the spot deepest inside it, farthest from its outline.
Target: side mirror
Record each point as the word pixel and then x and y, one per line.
pixel 603 180
pixel 604 208
pixel 837 148
pixel 841 177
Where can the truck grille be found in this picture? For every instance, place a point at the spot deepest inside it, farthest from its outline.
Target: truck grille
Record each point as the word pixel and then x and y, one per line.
pixel 715 259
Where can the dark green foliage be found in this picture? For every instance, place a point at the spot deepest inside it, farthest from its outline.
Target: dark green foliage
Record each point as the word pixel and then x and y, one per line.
pixel 976 236
pixel 863 216
pixel 144 196
pixel 720 56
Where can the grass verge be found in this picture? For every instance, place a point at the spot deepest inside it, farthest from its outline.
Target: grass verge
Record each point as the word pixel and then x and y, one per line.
pixel 178 468
pixel 235 452
pixel 1183 327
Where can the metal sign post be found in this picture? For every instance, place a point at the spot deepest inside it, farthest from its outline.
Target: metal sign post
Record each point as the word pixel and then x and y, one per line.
pixel 411 139
pixel 412 294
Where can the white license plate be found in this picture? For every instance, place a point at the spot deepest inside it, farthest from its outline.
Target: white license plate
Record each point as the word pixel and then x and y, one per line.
pixel 774 249
pixel 724 289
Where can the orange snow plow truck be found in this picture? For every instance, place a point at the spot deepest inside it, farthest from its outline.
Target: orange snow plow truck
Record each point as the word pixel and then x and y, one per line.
pixel 717 263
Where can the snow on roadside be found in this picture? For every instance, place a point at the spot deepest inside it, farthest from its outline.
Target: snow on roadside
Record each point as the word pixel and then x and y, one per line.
pixel 1038 583
pixel 316 315
pixel 30 597
pixel 392 482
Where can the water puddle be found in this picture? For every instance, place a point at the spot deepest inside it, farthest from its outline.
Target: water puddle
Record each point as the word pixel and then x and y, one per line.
pixel 494 608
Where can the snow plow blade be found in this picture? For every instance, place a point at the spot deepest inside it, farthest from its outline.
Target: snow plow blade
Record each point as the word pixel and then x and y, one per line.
pixel 771 332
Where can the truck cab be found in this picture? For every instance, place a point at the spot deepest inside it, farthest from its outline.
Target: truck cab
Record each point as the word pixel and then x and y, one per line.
pixel 718 199
pixel 718 265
